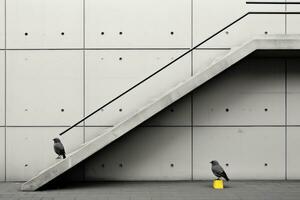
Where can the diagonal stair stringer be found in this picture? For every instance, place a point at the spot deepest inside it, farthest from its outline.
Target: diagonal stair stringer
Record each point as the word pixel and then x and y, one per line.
pixel 267 42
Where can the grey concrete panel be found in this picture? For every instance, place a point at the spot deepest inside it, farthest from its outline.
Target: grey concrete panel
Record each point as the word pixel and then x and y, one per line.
pixel 225 12
pixel 222 13
pixel 292 23
pixel 265 7
pixel 256 153
pixel 245 29
pixel 293 20
pixel 44 24
pixel 44 87
pixel 2 24
pixel 148 153
pixel 293 159
pixel 203 58
pixel 30 149
pixel 252 92
pixel 2 154
pixel 2 88
pixel 93 132
pixel 110 73
pixel 138 23
pixel 177 114
pixel 293 91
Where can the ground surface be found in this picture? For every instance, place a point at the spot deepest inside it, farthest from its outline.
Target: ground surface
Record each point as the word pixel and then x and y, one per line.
pixel 159 190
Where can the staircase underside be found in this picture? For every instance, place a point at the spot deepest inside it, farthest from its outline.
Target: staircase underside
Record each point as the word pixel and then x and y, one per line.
pixel 268 42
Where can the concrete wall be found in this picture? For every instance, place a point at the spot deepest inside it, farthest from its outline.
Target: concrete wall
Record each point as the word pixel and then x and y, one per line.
pixel 243 118
pixel 62 59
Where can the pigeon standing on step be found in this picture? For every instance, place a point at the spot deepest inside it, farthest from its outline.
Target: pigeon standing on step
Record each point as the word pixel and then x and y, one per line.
pixel 218 171
pixel 59 148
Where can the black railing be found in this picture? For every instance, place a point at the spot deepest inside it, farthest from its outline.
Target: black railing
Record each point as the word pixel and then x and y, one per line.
pixel 173 61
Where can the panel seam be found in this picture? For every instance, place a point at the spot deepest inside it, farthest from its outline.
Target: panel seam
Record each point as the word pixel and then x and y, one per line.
pixel 84 82
pixel 285 18
pixel 192 96
pixel 286 116
pixel 83 63
pixel 5 88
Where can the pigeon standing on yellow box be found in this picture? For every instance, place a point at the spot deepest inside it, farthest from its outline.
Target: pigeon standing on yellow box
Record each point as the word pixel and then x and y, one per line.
pixel 218 171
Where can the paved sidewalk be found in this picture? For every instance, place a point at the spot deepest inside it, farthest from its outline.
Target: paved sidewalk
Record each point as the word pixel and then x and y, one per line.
pixel 196 190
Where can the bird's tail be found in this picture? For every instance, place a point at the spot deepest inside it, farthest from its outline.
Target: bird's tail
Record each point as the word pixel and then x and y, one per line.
pixel 64 156
pixel 226 177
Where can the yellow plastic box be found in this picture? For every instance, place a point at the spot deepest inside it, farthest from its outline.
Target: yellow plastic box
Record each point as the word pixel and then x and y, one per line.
pixel 218 184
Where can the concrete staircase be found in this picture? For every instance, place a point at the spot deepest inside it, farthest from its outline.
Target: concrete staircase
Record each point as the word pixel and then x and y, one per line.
pixel 267 42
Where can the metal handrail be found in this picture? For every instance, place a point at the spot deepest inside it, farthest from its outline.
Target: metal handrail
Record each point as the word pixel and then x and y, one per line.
pixel 173 61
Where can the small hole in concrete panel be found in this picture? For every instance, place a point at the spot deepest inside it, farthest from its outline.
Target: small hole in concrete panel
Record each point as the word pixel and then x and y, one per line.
pixel 102 33
pixel 120 33
pixel 227 164
pixel 102 166
pixel 172 33
pixel 266 109
pixel 120 58
pixel 102 110
pixel 172 165
pixel 26 165
pixel 266 32
pixel 62 33
pixel 62 110
pixel 120 110
pixel 226 32
pixel 101 58
pixel 172 110
pixel 26 33
pixel 227 109
pixel 266 164
pixel 120 165
pixel 26 109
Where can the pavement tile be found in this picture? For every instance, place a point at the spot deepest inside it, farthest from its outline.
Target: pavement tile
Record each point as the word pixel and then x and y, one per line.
pixel 185 190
